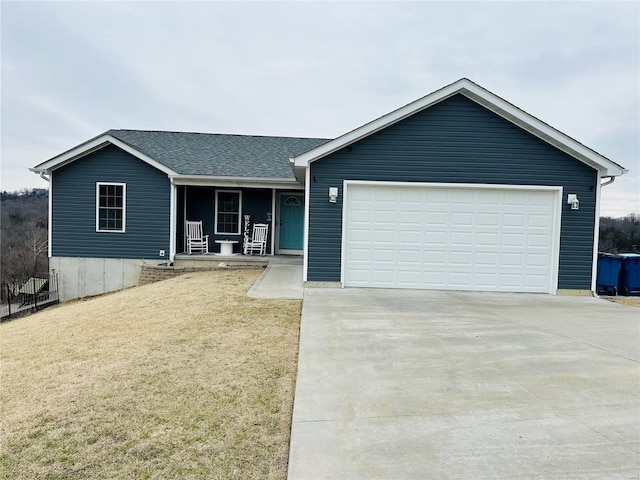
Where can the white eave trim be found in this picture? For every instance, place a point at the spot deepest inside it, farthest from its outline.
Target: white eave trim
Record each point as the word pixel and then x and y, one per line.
pixel 489 100
pixel 92 146
pixel 222 181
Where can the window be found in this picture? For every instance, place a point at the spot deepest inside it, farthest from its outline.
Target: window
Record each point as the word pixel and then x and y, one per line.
pixel 228 208
pixel 111 201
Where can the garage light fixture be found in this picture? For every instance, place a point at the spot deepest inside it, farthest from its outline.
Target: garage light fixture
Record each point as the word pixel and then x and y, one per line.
pixel 572 199
pixel 333 194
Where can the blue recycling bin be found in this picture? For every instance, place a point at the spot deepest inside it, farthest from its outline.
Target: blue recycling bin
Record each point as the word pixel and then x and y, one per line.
pixel 629 281
pixel 608 273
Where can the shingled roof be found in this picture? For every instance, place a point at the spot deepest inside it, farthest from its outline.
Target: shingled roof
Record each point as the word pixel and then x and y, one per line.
pixel 219 155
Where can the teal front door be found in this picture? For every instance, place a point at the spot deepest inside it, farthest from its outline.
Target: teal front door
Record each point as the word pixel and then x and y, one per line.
pixel 291 221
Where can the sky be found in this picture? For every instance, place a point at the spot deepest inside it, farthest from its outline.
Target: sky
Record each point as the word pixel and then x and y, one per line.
pixel 73 70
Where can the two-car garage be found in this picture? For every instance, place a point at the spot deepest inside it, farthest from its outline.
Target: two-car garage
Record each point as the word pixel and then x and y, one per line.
pixel 451 236
pixel 458 190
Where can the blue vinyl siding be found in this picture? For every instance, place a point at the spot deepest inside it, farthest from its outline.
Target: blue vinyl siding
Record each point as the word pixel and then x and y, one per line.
pixel 201 206
pixel 455 141
pixel 74 207
pixel 258 204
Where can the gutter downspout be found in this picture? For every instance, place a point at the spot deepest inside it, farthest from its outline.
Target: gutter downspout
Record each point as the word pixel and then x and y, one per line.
pixel 305 232
pixel 596 234
pixel 50 220
pixel 610 181
pixel 43 175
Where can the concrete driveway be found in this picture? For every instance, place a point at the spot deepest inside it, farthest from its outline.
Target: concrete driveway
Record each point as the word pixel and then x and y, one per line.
pixel 433 385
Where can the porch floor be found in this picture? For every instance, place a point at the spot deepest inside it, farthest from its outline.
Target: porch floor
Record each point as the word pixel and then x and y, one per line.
pixel 200 260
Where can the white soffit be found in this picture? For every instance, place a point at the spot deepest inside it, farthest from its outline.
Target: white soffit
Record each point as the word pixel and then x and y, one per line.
pixel 253 182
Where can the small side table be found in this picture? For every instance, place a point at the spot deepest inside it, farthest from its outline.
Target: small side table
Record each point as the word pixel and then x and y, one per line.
pixel 226 247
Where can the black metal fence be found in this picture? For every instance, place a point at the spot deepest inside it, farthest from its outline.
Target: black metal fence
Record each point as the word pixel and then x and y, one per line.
pixel 26 295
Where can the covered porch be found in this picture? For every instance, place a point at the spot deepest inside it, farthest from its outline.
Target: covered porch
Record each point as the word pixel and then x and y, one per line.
pixel 229 211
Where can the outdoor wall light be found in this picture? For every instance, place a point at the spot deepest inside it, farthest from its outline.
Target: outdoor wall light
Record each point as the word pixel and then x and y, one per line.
pixel 572 199
pixel 333 194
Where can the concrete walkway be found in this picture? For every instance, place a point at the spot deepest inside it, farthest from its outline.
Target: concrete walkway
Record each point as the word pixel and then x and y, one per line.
pixel 279 281
pixel 399 384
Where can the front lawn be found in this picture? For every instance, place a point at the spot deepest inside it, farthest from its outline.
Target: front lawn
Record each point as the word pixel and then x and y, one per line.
pixel 186 378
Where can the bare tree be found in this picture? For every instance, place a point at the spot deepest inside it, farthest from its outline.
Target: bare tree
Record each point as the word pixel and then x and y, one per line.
pixel 23 234
pixel 620 235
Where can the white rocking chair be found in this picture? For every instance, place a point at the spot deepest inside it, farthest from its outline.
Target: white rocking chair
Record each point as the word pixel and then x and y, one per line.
pixel 258 240
pixel 196 241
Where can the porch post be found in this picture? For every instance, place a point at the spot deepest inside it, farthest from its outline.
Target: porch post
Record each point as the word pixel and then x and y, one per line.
pixel 274 223
pixel 172 221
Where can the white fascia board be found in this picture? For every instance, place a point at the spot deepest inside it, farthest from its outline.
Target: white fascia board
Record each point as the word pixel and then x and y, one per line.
pixel 92 146
pixel 250 182
pixel 543 131
pixel 377 125
pixel 489 100
pixel 298 172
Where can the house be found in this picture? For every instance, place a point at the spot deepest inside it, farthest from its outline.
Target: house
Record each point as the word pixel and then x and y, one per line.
pixel 457 190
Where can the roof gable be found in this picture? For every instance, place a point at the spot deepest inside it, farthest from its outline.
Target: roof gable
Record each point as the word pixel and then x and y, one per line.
pixel 488 100
pixel 91 146
pixel 198 154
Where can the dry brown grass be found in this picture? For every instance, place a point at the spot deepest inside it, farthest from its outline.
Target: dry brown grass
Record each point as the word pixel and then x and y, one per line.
pixel 630 301
pixel 186 378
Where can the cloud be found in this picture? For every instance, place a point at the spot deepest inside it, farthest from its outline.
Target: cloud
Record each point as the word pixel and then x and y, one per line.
pixel 71 70
pixel 621 197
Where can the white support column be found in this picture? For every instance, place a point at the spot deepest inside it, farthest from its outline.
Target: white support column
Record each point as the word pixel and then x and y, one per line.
pixel 184 217
pixel 173 209
pixel 274 224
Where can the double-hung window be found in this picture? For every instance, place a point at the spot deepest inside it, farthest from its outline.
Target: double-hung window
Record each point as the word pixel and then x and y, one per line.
pixel 228 211
pixel 111 203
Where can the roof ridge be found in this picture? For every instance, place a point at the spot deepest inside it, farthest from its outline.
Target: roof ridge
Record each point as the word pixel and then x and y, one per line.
pixel 213 134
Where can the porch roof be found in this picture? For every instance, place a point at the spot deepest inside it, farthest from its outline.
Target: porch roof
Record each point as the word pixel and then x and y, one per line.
pixel 219 155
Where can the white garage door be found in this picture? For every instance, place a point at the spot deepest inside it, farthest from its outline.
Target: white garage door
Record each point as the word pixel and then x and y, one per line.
pixel 430 236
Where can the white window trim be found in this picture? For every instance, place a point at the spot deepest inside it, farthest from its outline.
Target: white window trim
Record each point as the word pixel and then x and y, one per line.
pixel 124 207
pixel 215 219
